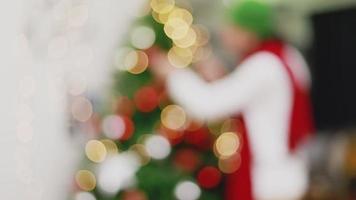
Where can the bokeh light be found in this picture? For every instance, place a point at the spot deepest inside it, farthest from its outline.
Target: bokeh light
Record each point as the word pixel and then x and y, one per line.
pixel 173 117
pixel 136 62
pixel 143 37
pixel 120 57
pixel 117 172
pixel 134 195
pixel 181 13
pixel 176 28
pixel 187 190
pixel 84 196
pixel 77 84
pixel 113 127
pixel 110 146
pixel 95 151
pixel 162 6
pixel 81 109
pixel 85 180
pixel 202 33
pixel 140 150
pixel 227 144
pixel 230 165
pixel 180 57
pixel 146 99
pixel 188 40
pixel 158 147
pixel 209 177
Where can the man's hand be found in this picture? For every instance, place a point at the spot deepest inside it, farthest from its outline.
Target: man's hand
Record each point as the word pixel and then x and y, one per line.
pixel 210 69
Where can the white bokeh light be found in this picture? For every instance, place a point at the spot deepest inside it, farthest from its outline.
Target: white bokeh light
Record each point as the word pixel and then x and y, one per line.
pixel 84 196
pixel 187 190
pixel 158 147
pixel 113 126
pixel 118 172
pixel 143 37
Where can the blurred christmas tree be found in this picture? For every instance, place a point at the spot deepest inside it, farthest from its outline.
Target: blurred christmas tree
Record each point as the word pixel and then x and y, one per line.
pixel 146 146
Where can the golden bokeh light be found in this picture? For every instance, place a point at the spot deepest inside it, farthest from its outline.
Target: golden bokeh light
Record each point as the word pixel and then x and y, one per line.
pixel 181 13
pixel 120 57
pixel 110 146
pixel 186 41
pixel 162 6
pixel 227 145
pixel 176 28
pixel 163 17
pixel 173 117
pixel 81 109
pixel 85 180
pixel 180 57
pixel 230 165
pixel 156 16
pixel 136 62
pixel 229 125
pixel 95 151
pixel 140 150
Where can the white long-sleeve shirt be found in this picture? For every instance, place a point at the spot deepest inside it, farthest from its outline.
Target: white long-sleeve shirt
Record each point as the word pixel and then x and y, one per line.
pixel 260 89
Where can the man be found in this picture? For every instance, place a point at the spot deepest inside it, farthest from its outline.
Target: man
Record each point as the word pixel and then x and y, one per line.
pixel 269 89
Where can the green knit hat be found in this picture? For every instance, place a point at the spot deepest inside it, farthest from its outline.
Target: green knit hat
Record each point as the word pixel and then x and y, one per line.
pixel 254 15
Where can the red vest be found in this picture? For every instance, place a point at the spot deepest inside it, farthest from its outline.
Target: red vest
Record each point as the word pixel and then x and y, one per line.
pixel 239 184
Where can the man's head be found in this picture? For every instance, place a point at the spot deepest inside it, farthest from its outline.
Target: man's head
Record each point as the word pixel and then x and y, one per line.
pixel 249 23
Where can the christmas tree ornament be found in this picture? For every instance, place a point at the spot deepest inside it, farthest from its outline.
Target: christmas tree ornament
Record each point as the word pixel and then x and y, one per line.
pixel 209 177
pixel 146 99
pixel 187 159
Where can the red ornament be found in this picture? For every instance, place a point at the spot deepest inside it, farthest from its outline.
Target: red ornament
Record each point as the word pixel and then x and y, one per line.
pixel 174 136
pixel 134 195
pixel 187 160
pixel 129 128
pixel 200 138
pixel 209 177
pixel 146 99
pixel 125 106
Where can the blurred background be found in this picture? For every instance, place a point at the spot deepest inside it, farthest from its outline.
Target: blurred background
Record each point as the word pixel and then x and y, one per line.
pixel 77 101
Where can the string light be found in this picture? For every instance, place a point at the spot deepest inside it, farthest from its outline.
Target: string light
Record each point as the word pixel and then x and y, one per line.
pixel 95 151
pixel 85 180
